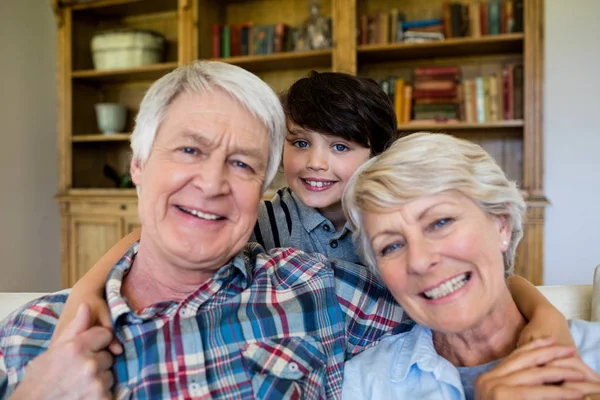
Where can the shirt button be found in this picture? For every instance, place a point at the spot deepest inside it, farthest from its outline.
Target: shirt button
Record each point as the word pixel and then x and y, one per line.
pixel 326 228
pixel 195 389
pixel 334 244
pixel 293 366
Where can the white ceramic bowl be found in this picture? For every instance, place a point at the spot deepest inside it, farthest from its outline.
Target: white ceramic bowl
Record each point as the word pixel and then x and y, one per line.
pixel 111 117
pixel 127 48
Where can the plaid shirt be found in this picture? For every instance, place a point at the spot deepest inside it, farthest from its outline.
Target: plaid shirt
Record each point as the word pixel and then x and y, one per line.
pixel 267 325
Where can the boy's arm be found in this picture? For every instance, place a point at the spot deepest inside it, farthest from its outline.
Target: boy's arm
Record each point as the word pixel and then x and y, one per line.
pixel 90 289
pixel 544 320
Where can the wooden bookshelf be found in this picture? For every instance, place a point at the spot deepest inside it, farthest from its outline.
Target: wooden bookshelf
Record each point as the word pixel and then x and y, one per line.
pixel 313 59
pixel 145 73
pixel 450 126
pixel 98 137
pixel 454 47
pixel 94 213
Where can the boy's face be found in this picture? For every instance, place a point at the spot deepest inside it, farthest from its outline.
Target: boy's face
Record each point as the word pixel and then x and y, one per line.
pixel 317 167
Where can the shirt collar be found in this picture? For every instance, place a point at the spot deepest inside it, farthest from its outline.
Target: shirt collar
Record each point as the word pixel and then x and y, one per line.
pixel 311 218
pixel 417 349
pixel 241 263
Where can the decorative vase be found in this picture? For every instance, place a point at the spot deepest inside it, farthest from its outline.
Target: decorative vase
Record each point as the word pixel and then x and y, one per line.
pixel 111 117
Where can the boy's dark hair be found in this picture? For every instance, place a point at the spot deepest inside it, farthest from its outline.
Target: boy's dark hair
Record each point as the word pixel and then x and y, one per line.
pixel 338 104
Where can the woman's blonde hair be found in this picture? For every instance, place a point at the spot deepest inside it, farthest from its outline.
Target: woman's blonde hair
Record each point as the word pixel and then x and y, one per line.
pixel 424 164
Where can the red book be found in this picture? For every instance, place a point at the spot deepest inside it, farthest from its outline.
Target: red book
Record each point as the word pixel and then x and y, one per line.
pixel 483 9
pixel 420 94
pixel 437 71
pixel 236 40
pixel 216 41
pixel 508 83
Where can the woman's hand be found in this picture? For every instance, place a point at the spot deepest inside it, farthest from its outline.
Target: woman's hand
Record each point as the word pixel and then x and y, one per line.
pixel 591 384
pixel 78 366
pixel 534 371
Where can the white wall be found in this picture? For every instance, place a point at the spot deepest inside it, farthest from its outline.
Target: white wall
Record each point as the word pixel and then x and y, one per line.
pixel 29 225
pixel 572 140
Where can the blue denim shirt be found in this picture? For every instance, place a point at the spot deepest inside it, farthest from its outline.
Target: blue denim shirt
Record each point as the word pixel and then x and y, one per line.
pixel 406 366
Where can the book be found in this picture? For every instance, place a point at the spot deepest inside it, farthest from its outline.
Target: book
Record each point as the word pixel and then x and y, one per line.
pixel 216 41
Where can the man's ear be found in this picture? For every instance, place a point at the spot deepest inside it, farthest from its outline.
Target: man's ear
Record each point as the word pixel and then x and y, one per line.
pixel 504 230
pixel 136 170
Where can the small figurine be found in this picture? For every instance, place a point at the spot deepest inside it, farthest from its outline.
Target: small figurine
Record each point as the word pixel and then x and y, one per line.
pixel 316 30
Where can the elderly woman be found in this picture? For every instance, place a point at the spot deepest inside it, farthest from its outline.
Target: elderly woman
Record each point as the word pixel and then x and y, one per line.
pixel 437 220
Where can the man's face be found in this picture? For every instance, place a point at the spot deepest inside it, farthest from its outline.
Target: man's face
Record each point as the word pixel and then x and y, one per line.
pixel 201 185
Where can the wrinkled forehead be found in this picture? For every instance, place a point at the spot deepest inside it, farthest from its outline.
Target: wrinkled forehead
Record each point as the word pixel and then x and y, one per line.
pixel 213 119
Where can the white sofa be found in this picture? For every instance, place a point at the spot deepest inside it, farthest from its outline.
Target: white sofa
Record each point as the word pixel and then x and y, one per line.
pixel 575 301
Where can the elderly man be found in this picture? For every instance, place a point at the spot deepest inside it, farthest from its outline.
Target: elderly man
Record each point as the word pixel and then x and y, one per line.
pixel 199 312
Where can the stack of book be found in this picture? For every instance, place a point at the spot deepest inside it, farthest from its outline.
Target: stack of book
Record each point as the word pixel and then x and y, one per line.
pixel 493 17
pixel 494 97
pixel 435 94
pixel 392 27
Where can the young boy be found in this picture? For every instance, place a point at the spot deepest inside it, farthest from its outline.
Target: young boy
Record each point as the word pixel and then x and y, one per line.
pixel 335 123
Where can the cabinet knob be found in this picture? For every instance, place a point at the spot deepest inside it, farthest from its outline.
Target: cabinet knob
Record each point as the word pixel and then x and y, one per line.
pixel 123 207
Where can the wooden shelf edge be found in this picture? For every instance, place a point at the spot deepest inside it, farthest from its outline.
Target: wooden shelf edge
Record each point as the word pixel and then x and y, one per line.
pixel 99 137
pixel 283 60
pixel 95 192
pixel 98 4
pixel 461 125
pixel 105 73
pixel 488 39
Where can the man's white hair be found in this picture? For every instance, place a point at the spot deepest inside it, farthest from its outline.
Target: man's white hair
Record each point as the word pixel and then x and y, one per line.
pixel 203 77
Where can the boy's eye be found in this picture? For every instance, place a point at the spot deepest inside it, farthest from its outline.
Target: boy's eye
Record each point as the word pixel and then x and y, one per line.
pixel 340 147
pixel 301 144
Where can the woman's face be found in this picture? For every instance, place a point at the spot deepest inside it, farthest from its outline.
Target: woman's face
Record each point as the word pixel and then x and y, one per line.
pixel 441 258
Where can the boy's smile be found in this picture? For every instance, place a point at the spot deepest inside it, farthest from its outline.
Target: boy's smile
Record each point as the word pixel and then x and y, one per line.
pixel 317 168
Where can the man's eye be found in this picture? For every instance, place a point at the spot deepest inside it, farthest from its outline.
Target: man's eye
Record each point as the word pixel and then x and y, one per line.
pixel 189 150
pixel 242 165
pixel 340 147
pixel 301 144
pixel 390 248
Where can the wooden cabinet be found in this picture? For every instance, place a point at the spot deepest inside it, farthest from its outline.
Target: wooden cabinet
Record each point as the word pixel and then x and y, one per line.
pixel 91 226
pixel 92 219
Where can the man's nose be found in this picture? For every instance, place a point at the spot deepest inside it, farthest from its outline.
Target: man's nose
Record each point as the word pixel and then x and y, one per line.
pixel 213 178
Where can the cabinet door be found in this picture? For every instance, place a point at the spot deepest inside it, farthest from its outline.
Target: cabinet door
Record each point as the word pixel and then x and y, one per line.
pixel 91 237
pixel 131 224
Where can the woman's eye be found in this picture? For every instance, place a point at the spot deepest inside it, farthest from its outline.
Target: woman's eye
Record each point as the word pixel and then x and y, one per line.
pixel 302 144
pixel 340 147
pixel 440 223
pixel 390 248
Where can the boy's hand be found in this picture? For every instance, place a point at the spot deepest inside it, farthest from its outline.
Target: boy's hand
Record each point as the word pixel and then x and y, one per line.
pixel 547 322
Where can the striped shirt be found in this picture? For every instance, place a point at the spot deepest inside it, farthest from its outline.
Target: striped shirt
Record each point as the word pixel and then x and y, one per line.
pixel 285 221
pixel 275 325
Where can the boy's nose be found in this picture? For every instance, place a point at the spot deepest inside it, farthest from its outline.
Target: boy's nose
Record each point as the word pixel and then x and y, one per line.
pixel 317 161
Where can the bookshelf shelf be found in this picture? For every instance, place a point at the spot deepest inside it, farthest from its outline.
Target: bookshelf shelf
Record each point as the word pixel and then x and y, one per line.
pixel 282 61
pixel 460 126
pixel 468 47
pixel 97 137
pixel 121 8
pixel 95 192
pixel 147 72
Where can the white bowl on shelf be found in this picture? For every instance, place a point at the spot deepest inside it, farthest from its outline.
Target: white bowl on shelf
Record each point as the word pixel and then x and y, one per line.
pixel 111 117
pixel 127 48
